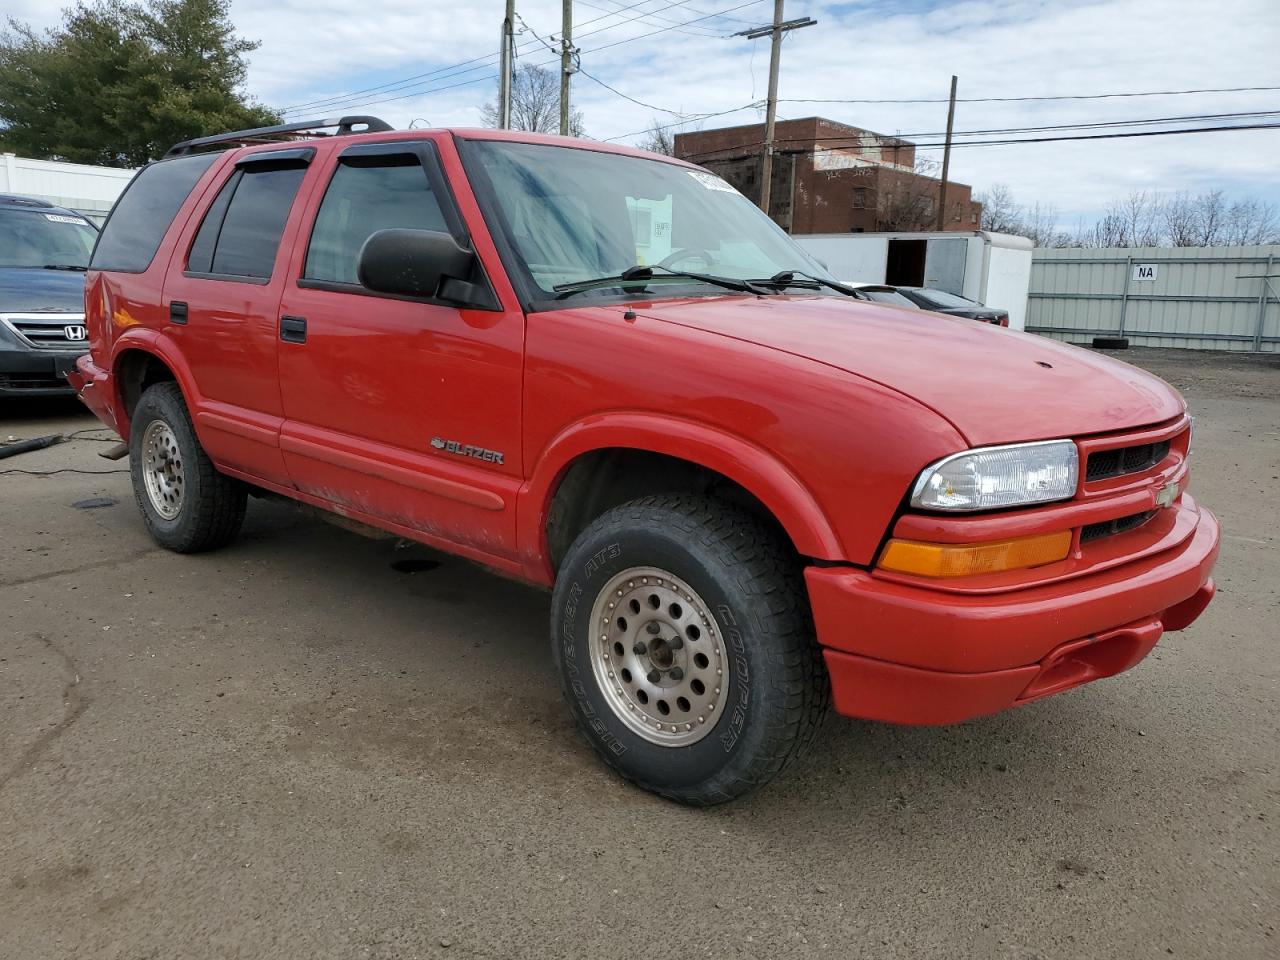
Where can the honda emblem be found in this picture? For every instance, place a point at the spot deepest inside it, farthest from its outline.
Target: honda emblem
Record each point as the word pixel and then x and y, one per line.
pixel 75 333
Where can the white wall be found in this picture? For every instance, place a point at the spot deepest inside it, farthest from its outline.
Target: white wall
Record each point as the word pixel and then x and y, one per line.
pixel 88 190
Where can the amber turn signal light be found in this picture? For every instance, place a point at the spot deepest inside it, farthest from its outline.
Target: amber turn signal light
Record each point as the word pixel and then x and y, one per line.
pixel 971 559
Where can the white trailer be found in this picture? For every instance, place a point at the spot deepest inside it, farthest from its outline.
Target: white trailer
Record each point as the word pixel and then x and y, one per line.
pixel 88 190
pixel 991 268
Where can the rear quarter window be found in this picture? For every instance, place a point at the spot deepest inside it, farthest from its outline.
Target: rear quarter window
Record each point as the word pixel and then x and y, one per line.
pixel 141 217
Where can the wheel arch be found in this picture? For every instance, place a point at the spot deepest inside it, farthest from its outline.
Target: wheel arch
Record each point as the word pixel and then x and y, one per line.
pixel 584 472
pixel 138 361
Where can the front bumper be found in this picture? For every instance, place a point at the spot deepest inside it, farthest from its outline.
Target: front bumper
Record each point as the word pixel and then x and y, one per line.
pixel 907 654
pixel 34 373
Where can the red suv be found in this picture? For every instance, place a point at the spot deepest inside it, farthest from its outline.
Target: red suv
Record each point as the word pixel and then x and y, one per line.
pixel 608 373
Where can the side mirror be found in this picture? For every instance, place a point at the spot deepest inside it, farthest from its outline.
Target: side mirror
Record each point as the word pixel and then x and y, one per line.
pixel 417 263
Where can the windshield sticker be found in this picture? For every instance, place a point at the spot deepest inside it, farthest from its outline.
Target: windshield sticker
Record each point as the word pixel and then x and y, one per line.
pixel 711 181
pixel 59 218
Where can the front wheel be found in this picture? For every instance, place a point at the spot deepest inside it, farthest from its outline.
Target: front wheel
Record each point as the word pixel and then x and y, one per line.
pixel 681 630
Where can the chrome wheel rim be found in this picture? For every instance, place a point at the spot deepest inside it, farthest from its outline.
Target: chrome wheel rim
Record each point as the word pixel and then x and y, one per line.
pixel 658 656
pixel 162 470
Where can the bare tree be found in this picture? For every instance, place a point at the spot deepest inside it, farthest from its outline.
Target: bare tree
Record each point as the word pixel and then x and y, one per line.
pixel 1138 215
pixel 1108 232
pixel 1039 224
pixel 908 201
pixel 1211 217
pixel 1179 216
pixel 659 139
pixel 1251 222
pixel 1000 213
pixel 535 103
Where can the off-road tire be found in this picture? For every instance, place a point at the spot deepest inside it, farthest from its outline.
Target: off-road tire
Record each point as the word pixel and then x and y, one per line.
pixel 212 506
pixel 777 689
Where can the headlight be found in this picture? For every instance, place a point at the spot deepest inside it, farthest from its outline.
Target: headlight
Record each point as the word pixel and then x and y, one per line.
pixel 992 477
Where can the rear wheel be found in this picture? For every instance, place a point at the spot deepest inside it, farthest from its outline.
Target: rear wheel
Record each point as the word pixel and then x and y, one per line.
pixel 187 504
pixel 681 630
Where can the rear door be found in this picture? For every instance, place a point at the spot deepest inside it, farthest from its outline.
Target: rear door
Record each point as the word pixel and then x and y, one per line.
pixel 222 294
pixel 403 409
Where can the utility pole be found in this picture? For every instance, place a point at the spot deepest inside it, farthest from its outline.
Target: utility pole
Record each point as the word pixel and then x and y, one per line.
pixel 946 159
pixel 566 63
pixel 507 55
pixel 775 32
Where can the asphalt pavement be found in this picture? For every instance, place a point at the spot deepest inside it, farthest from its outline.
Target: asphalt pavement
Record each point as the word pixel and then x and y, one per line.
pixel 313 745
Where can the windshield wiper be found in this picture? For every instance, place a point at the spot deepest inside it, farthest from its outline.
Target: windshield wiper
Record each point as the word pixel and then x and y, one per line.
pixel 65 266
pixel 788 278
pixel 642 274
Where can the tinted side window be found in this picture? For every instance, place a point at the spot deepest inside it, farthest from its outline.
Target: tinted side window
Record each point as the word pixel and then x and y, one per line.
pixel 241 230
pixel 141 217
pixel 362 200
pixel 201 257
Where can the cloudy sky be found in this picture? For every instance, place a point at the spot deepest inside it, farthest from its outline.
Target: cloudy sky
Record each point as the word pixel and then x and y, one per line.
pixel 431 62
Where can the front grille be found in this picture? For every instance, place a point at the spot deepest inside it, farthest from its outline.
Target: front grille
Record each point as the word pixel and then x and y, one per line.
pixel 1096 531
pixel 56 331
pixel 1106 464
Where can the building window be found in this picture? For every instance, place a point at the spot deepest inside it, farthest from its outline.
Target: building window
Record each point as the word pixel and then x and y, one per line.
pixel 859 198
pixel 973 218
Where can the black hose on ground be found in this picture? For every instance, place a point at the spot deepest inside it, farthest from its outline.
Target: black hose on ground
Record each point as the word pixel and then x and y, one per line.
pixel 26 446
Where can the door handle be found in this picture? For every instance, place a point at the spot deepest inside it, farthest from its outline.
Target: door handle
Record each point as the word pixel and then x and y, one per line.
pixel 293 329
pixel 177 311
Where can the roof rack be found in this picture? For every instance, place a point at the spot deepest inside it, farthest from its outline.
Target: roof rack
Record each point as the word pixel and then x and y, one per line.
pixel 283 131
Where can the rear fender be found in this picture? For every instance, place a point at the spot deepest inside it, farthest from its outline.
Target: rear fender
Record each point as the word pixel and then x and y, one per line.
pixel 164 349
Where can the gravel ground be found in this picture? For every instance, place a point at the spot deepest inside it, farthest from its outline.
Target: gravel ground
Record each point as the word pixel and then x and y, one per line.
pixel 313 745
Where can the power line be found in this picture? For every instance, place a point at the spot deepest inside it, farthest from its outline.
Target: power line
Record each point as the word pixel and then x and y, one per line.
pixel 439 70
pixel 1014 141
pixel 703 32
pixel 345 101
pixel 417 78
pixel 685 117
pixel 1068 96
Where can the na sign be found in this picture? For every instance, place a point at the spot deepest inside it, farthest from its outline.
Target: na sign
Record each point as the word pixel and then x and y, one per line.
pixel 1144 271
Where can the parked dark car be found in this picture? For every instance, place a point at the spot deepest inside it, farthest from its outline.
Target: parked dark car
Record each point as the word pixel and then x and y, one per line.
pixel 44 251
pixel 882 293
pixel 940 301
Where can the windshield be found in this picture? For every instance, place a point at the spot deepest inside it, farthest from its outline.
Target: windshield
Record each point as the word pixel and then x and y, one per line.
pixel 572 215
pixel 39 238
pixel 948 301
pixel 888 296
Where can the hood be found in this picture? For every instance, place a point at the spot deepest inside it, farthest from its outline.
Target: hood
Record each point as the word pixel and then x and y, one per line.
pixel 33 290
pixel 994 385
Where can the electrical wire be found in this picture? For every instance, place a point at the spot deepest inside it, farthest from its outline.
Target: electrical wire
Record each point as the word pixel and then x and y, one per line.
pixel 1069 96
pixel 686 117
pixel 1014 141
pixel 347 101
pixel 317 103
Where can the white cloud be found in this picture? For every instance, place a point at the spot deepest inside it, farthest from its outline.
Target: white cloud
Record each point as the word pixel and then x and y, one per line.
pixel 999 48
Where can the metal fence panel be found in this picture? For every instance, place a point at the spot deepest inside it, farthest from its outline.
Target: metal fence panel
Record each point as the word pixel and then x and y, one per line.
pixel 1207 298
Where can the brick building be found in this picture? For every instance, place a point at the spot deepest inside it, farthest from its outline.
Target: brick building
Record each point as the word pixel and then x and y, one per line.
pixel 830 177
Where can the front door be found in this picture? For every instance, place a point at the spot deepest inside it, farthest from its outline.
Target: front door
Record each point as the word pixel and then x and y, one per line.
pixel 405 410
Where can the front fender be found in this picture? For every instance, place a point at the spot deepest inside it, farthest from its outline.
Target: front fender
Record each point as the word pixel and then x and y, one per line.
pixel 757 471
